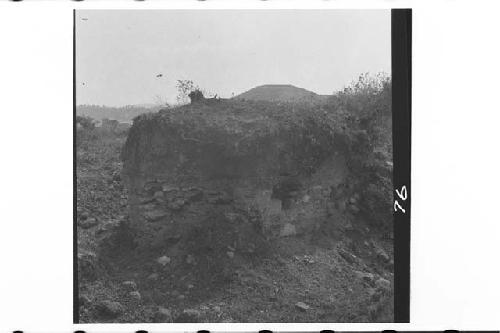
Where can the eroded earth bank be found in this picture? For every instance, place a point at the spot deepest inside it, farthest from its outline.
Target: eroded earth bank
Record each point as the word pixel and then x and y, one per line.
pixel 235 211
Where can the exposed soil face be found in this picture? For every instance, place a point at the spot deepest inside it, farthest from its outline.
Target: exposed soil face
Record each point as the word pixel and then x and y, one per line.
pixel 227 213
pixel 238 158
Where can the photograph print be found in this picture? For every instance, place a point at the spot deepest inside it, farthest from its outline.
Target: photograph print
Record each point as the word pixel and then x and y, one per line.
pixel 234 166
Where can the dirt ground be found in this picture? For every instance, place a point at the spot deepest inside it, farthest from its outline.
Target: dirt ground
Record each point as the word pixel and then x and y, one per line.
pixel 343 275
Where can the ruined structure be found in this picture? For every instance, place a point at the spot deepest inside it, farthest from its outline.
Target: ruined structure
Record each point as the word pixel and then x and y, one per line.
pixel 258 168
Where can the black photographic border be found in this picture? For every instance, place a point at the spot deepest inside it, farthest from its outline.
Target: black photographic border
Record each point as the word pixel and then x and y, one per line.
pixel 401 32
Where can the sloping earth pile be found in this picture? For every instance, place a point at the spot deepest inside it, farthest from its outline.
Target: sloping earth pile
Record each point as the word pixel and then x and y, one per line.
pixel 243 211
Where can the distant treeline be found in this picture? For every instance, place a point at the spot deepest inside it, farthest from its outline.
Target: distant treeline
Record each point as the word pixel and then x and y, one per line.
pixel 122 114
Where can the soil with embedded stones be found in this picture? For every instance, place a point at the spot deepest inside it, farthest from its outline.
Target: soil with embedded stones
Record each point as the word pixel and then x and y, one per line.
pixel 340 276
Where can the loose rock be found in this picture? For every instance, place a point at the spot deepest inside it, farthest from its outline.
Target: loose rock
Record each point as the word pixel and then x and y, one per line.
pixel 87 266
pixel 154 215
pixel 355 209
pixel 129 285
pixel 163 260
pixel 83 300
pixel 366 277
pixel 350 258
pixel 382 255
pixel 383 284
pixel 163 315
pixel 88 223
pixel 288 230
pixel 176 204
pixel 153 276
pixel 302 306
pixel 135 295
pixel 109 309
pixel 188 316
pixel 190 259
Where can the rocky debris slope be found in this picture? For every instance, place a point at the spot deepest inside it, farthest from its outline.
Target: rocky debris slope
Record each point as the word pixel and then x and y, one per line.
pixel 224 268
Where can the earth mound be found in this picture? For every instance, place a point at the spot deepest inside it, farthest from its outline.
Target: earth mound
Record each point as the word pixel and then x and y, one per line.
pixel 280 93
pixel 274 167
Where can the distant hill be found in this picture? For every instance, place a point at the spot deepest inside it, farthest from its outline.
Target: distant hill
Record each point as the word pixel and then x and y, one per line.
pixel 281 93
pixel 122 114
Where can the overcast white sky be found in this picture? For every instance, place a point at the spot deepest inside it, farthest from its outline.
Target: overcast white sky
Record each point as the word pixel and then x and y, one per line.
pixel 119 53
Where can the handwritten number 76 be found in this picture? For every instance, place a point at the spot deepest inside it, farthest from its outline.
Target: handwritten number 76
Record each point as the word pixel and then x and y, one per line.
pixel 403 195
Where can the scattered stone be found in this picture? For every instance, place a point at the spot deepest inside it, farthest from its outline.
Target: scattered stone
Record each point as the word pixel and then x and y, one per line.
pixel 288 230
pixel 109 309
pixel 135 295
pixel 350 258
pixel 374 294
pixel 163 315
pixel 308 259
pixel 188 316
pixel 190 259
pixel 129 285
pixel 355 209
pixel 181 297
pixel 87 266
pixel 155 215
pixel 383 284
pixel 88 223
pixel 382 255
pixel 116 176
pixel 144 201
pixel 167 188
pixel 250 248
pixel 158 195
pixel 190 286
pixel 353 200
pixel 217 308
pixel 177 204
pixel 83 300
pixel 302 306
pixel 153 276
pixel 219 198
pixel 230 254
pixel 367 277
pixel 194 194
pixel 348 225
pixel 163 260
pixel 152 187
pixel 148 207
